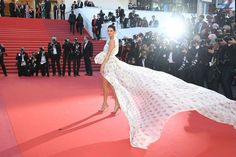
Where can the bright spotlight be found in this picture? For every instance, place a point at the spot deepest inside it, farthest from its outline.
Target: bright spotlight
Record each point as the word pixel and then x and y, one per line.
pixel 174 28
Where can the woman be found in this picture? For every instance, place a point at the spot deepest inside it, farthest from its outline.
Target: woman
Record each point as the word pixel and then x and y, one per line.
pixel 149 98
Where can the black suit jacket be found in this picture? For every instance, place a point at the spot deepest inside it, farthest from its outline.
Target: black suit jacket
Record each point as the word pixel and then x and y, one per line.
pixel 72 18
pixel 39 56
pixel 62 7
pixel 19 58
pixel 88 50
pixel 48 6
pixel 77 50
pixel 58 47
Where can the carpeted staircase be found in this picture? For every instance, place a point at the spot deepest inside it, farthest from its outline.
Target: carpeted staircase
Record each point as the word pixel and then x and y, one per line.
pixel 34 33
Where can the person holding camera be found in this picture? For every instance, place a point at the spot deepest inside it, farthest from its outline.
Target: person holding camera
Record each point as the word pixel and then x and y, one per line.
pixel 67 56
pixel 43 61
pixel 33 65
pixel 228 64
pixel 199 62
pixel 2 54
pixel 77 55
pixel 22 63
pixel 213 71
pixel 54 49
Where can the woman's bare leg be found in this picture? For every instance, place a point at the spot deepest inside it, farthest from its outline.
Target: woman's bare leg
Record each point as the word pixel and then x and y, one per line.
pixel 105 85
pixel 117 105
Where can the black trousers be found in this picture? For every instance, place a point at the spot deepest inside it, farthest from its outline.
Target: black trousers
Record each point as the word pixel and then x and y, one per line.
pixel 88 66
pixel 199 74
pixel 44 68
pixel 55 15
pixel 33 69
pixel 79 29
pixel 56 61
pixel 3 67
pixel 47 15
pixel 98 33
pixel 23 71
pixel 72 58
pixel 226 80
pixel 63 15
pixel 78 60
pixel 69 58
pixel 72 28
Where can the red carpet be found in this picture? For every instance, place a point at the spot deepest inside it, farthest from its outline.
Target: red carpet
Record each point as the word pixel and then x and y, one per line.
pixel 34 33
pixel 37 107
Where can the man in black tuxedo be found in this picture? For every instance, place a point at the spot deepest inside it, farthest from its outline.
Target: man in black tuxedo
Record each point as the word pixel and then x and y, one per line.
pixel 2 8
pixel 88 54
pixel 77 54
pixel 43 62
pixel 67 46
pixel 47 9
pixel 2 54
pixel 12 9
pixel 79 24
pixel 99 27
pixel 54 49
pixel 72 20
pixel 55 10
pixel 22 63
pixel 62 9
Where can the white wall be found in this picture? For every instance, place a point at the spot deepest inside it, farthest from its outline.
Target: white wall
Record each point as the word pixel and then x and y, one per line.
pixel 109 4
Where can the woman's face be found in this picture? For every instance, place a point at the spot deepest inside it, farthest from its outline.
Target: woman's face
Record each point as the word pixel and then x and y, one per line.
pixel 111 32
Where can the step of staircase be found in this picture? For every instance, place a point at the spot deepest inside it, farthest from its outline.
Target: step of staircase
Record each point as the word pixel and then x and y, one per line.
pixel 34 33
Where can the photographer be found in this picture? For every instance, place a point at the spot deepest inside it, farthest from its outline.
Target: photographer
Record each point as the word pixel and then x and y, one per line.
pixel 54 49
pixel 67 46
pixel 43 62
pixel 2 54
pixel 213 71
pixel 22 63
pixel 77 55
pixel 228 64
pixel 33 65
pixel 199 62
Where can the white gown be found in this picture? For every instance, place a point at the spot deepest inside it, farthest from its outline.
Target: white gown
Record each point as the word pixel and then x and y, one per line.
pixel 149 98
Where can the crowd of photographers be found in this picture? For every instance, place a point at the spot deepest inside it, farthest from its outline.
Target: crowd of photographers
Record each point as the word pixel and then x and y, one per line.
pixel 43 60
pixel 205 56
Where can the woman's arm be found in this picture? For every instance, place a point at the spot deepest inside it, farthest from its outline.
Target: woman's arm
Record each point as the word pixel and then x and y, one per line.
pixel 111 47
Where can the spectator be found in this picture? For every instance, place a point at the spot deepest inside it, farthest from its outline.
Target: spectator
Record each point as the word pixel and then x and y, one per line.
pixel 12 8
pixel 94 27
pixel 80 4
pixel 47 9
pixel 43 11
pixel 2 8
pixel 154 22
pixel 72 20
pixel 79 24
pixel 74 6
pixel 56 10
pixel 62 10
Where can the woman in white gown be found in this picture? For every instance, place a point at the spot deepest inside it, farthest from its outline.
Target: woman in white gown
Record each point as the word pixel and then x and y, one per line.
pixel 149 98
